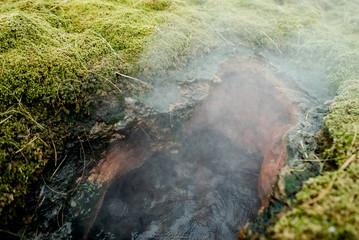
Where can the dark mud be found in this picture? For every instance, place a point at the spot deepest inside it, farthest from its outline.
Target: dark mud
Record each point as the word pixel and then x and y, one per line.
pixel 220 173
pixel 207 189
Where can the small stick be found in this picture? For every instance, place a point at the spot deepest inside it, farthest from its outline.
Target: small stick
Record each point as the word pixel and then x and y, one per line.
pixel 306 155
pixel 84 154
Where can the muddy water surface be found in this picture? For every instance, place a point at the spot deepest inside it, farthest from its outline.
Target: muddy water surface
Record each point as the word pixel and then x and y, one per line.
pixel 205 190
pixel 215 179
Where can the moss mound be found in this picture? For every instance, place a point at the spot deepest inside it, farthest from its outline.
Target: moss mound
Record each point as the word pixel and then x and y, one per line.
pixel 55 56
pixel 58 57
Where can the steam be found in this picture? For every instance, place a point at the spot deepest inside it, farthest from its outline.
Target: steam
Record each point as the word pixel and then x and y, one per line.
pixel 222 170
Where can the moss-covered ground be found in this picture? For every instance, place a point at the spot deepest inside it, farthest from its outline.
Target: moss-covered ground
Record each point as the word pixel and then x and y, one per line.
pixel 56 56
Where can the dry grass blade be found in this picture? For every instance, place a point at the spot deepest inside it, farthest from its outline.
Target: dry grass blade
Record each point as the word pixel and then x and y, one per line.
pixel 29 115
pixel 109 45
pixel 107 80
pixel 347 163
pixel 6 119
pixel 60 193
pixel 3 66
pixel 53 144
pixel 355 136
pixel 323 193
pixel 58 5
pixel 274 43
pixel 53 174
pixel 32 140
pixel 225 39
pixel 136 80
pixel 12 234
pixel 295 91
pixel 331 184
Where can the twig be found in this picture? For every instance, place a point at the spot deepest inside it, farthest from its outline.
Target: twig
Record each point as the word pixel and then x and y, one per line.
pixel 84 154
pixel 39 202
pixel 3 66
pixel 136 79
pixel 304 151
pixel 58 168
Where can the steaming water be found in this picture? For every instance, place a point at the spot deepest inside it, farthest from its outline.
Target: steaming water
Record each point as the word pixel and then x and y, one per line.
pixel 206 187
pixel 195 192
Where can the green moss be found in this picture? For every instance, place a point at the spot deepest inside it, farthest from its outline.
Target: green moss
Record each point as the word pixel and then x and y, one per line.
pixel 159 5
pixel 56 56
pixel 334 216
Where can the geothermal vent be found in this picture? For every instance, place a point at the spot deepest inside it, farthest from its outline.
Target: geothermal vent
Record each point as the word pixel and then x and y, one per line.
pixel 212 181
